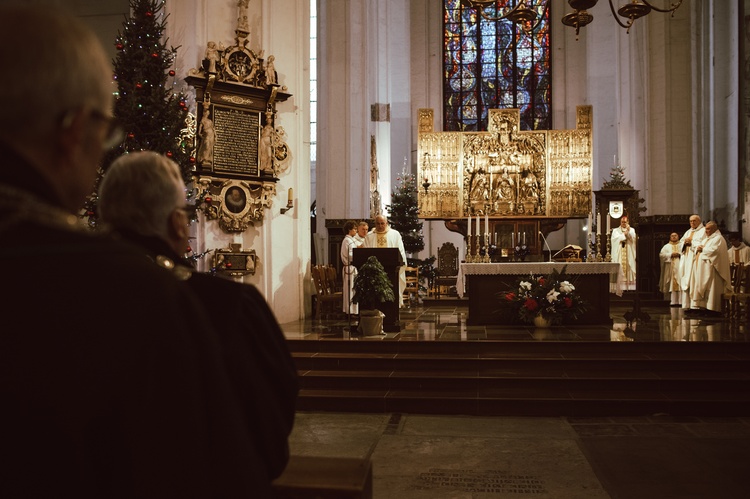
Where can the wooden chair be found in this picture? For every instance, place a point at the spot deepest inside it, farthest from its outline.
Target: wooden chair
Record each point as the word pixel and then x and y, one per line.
pixel 411 292
pixel 328 300
pixel 447 270
pixel 736 306
pixel 332 279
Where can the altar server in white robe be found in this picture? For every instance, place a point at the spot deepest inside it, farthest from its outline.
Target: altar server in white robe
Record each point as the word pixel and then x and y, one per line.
pixel 669 283
pixel 712 277
pixel 348 270
pixel 623 252
pixel 692 238
pixel 739 252
pixel 383 236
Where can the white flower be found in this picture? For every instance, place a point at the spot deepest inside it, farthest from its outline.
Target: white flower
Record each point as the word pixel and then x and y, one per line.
pixel 525 285
pixel 566 287
pixel 552 296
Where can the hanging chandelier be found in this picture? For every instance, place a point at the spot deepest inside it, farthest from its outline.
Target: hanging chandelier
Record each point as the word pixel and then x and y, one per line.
pixel 526 17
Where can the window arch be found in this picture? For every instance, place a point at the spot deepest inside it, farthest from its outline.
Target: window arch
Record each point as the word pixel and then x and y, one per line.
pixel 494 65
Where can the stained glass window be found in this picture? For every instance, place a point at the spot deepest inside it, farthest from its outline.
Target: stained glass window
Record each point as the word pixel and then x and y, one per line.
pixel 495 65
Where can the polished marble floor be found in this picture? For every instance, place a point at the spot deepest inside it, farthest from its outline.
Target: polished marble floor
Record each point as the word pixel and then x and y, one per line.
pixel 417 456
pixel 448 323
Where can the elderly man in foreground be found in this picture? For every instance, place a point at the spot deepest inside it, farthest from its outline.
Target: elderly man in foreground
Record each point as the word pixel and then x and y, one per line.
pixel 711 275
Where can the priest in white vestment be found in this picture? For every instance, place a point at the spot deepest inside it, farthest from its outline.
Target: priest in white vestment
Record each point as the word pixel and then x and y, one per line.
pixel 623 252
pixel 669 283
pixel 348 270
pixel 362 229
pixel 692 238
pixel 712 277
pixel 385 237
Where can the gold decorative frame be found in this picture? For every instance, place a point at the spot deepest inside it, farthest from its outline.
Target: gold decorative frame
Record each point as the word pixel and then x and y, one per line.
pixel 234 261
pixel 505 172
pixel 235 203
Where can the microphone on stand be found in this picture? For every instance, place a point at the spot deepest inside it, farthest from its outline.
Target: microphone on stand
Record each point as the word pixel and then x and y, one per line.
pixel 547 245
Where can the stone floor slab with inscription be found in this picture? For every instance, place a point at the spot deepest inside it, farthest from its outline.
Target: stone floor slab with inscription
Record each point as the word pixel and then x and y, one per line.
pixel 457 457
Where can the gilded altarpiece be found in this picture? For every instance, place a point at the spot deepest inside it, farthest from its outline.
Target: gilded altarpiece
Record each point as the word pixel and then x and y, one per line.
pixel 505 172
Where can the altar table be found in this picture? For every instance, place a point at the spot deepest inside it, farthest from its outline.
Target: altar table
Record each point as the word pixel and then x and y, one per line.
pixel 485 280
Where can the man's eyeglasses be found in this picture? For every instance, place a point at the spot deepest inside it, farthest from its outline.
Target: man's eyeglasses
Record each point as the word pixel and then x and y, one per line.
pixel 115 134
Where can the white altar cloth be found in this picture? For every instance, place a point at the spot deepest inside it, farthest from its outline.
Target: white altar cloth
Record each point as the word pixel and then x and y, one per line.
pixel 537 268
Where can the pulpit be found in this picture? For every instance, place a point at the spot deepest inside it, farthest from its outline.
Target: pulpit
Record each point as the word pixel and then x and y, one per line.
pixel 390 259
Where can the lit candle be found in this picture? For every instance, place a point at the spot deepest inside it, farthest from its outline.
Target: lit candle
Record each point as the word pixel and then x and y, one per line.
pixel 486 224
pixel 468 226
pixel 524 237
pixel 598 222
pixel 495 238
pixel 478 233
pixel 290 197
pixel 588 227
pixel 513 239
pixel 607 223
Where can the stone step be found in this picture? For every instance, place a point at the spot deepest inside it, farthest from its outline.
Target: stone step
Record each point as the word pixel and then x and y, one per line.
pixel 524 378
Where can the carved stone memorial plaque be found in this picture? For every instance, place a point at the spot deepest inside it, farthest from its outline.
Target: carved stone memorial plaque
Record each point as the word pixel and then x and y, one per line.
pixel 236 144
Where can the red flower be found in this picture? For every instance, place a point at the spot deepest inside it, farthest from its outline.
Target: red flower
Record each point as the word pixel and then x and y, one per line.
pixel 510 296
pixel 530 304
pixel 568 301
pixel 541 281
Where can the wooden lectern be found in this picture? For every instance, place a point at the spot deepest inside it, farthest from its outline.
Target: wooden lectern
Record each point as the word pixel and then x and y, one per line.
pixel 390 259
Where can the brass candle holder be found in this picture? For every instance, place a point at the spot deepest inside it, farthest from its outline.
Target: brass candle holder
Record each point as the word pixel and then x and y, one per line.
pixel 608 256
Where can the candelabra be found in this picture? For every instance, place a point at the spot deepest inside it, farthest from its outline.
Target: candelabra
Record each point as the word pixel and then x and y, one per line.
pixel 469 250
pixel 485 249
pixel 608 256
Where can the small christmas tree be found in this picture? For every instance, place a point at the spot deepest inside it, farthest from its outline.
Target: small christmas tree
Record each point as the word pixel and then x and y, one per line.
pixel 403 213
pixel 617 179
pixel 153 115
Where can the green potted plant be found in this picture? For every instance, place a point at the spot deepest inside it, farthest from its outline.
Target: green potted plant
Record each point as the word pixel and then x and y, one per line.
pixel 371 288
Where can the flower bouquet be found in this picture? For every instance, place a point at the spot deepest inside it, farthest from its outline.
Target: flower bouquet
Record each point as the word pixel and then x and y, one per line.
pixel 549 297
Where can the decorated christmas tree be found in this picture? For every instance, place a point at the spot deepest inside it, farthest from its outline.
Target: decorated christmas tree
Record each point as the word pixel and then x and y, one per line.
pixel 617 179
pixel 153 114
pixel 403 213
